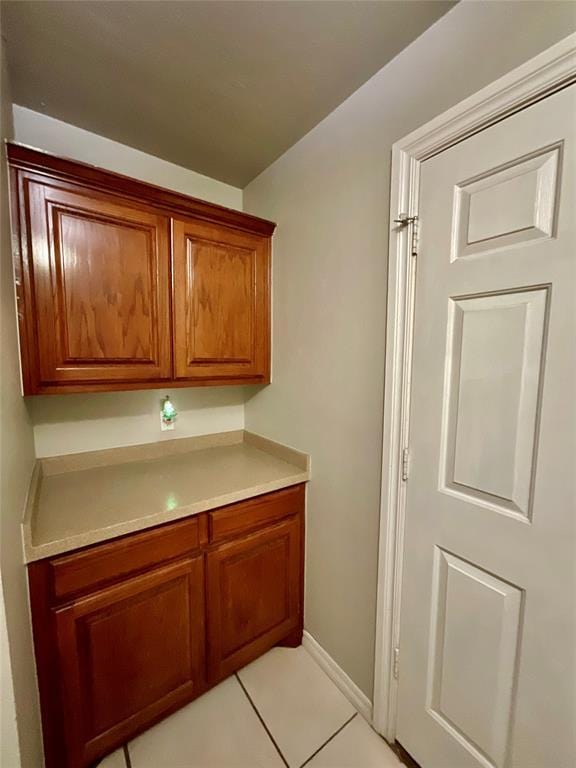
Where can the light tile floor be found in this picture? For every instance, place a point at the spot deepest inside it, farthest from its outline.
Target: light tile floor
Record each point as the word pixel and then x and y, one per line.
pixel 281 711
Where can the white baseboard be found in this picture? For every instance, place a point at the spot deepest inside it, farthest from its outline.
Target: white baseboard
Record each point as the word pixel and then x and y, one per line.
pixel 355 696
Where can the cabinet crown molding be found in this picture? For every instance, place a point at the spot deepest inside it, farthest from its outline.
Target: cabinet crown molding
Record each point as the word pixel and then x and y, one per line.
pixel 25 158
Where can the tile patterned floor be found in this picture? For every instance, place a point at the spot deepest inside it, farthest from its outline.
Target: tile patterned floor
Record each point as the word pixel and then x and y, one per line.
pixel 281 711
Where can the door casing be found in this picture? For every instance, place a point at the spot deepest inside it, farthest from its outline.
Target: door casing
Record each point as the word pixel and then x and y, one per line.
pixel 538 78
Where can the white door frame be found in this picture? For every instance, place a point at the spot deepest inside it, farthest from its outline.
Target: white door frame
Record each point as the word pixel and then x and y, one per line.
pixel 534 80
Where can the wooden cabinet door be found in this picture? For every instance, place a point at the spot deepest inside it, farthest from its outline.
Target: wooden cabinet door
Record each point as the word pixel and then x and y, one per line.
pixel 221 303
pixel 100 281
pixel 130 654
pixel 253 595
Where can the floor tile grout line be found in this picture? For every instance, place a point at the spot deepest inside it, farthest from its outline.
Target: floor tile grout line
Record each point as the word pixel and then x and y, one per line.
pixel 127 756
pixel 329 740
pixel 259 716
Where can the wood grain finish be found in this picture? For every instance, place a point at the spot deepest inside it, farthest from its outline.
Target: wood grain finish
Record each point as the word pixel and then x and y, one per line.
pixel 97 274
pixel 101 287
pixel 246 516
pixel 120 628
pixel 107 304
pixel 47 656
pixel 222 313
pixel 89 569
pixel 129 652
pixel 221 302
pixel 254 596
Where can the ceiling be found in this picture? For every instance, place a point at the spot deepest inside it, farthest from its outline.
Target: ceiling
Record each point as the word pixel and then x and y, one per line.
pixel 223 88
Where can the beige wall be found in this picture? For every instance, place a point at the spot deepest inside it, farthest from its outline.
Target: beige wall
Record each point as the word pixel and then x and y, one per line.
pixel 9 747
pixel 330 196
pixel 70 423
pixel 16 460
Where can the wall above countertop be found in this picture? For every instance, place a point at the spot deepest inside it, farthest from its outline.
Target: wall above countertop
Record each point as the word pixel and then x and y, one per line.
pixel 66 424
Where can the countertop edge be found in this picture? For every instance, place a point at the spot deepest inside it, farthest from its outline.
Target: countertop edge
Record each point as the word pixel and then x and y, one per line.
pixel 79 541
pixel 30 508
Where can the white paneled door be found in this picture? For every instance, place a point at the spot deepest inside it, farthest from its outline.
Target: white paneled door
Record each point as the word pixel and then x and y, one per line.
pixel 487 643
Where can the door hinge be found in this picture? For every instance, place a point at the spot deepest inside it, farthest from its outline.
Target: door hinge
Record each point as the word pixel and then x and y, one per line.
pixel 396 665
pixel 405 462
pixel 404 220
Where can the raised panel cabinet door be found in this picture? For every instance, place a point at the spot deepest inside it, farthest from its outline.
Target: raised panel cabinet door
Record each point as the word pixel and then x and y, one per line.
pixel 221 303
pixel 129 654
pixel 99 272
pixel 253 594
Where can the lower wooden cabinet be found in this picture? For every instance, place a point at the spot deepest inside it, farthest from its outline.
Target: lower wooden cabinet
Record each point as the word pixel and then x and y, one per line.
pixel 253 590
pixel 129 653
pixel 128 631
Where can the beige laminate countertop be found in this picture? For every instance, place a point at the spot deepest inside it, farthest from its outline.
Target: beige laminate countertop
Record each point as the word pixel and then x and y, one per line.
pixel 82 499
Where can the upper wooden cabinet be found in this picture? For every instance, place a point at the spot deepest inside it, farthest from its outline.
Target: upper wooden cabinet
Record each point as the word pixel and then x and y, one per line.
pixel 122 285
pixel 221 315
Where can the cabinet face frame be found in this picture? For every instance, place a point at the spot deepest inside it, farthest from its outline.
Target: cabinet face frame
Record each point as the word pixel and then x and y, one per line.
pixel 155 201
pixel 201 254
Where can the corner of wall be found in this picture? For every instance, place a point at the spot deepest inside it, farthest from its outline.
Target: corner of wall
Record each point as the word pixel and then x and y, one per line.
pixel 19 689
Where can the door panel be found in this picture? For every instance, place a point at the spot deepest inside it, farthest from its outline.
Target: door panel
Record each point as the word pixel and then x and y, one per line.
pixel 221 313
pixel 101 287
pixel 130 653
pixel 487 636
pixel 475 616
pixel 254 594
pixel 495 354
pixel 509 205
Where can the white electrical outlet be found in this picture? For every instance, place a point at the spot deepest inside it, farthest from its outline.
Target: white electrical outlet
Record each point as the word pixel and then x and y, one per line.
pixel 164 425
